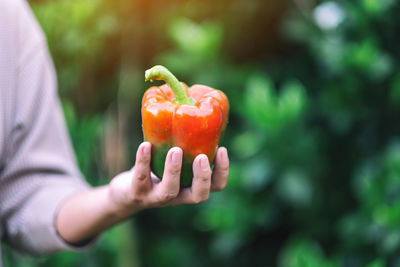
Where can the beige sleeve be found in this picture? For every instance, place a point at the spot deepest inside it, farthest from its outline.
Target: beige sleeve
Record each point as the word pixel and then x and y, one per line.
pixel 40 169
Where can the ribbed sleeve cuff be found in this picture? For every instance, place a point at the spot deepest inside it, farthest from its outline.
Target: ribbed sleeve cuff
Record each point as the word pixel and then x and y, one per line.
pixel 37 228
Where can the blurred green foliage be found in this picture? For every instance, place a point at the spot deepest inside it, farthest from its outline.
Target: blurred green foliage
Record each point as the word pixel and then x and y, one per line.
pixel 313 134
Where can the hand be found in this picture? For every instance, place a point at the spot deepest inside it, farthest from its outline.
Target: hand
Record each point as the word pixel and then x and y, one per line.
pixel 97 209
pixel 139 189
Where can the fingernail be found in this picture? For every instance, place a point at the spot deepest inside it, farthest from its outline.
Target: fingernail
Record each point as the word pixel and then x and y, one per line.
pixel 176 156
pixel 146 150
pixel 204 165
pixel 224 153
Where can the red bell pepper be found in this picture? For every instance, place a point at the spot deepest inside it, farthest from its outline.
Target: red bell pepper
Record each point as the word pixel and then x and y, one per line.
pixel 190 118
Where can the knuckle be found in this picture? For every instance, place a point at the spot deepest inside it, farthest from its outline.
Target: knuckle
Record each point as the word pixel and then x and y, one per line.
pixel 143 160
pixel 225 170
pixel 167 196
pixel 206 178
pixel 170 195
pixel 219 187
pixel 196 201
pixel 174 171
pixel 135 199
pixel 141 176
pixel 200 199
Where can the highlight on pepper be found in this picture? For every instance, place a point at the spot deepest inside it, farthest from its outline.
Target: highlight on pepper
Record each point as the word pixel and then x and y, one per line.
pixel 191 118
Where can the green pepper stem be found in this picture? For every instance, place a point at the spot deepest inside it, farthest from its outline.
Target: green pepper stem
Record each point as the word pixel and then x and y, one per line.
pixel 162 73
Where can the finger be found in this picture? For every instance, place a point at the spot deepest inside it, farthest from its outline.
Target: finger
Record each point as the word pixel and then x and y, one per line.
pixel 141 171
pixel 168 188
pixel 200 189
pixel 185 196
pixel 202 179
pixel 220 174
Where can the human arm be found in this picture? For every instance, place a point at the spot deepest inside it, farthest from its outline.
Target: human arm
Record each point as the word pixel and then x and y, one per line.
pixel 38 171
pixel 37 166
pixel 89 212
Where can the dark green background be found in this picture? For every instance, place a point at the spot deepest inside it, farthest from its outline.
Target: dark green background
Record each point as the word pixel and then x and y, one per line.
pixel 313 132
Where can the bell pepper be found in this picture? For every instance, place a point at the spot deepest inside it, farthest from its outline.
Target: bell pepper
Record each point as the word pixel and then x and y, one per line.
pixel 190 118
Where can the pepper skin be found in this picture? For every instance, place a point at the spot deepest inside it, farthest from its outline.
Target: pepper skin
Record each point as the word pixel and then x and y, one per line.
pixel 190 118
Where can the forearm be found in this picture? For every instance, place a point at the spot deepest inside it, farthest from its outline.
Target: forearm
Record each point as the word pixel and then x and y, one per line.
pixel 88 213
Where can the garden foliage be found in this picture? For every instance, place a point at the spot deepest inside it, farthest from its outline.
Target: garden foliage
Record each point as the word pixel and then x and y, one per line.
pixel 313 134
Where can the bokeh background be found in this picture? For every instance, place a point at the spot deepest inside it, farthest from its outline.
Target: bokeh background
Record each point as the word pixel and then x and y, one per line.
pixel 313 133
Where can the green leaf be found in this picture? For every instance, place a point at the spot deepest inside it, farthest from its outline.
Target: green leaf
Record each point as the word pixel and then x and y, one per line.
pixel 292 101
pixel 295 188
pixel 201 39
pixel 303 253
pixel 376 263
